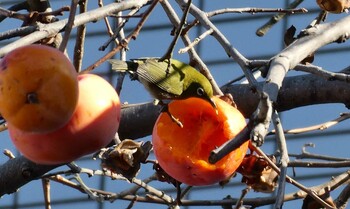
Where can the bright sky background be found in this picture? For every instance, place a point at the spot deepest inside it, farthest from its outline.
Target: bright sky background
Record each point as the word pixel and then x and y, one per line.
pixel 241 34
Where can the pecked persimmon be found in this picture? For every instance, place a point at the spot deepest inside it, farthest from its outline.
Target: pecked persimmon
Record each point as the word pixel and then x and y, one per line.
pixel 92 126
pixel 38 88
pixel 183 152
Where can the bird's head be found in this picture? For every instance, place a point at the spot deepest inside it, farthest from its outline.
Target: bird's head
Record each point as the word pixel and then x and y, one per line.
pixel 200 90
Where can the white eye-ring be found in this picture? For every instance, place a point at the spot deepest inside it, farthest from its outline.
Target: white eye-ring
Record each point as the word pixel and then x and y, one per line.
pixel 200 91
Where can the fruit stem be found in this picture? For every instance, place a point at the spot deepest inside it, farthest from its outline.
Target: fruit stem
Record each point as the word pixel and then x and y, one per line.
pixel 32 98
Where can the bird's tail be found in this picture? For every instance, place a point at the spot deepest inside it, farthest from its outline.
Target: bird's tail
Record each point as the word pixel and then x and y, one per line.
pixel 123 66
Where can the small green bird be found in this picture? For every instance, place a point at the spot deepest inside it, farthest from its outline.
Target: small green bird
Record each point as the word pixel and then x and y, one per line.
pixel 179 81
pixel 167 82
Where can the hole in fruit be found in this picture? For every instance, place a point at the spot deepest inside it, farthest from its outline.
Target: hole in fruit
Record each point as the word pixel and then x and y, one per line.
pixel 32 98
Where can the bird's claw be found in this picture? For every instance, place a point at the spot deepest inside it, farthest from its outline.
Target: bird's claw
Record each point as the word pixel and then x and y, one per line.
pixel 173 118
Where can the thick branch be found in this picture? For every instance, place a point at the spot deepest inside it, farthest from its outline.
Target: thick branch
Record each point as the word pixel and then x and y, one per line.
pixel 296 92
pixel 137 120
pixel 315 38
pixel 19 171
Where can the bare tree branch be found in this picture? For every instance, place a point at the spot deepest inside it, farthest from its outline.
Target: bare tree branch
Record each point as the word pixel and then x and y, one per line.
pixel 137 120
pixel 314 38
pixel 284 159
pixel 80 39
pixel 52 29
pixel 275 19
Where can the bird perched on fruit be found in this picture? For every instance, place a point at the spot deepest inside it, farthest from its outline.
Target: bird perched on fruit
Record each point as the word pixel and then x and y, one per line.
pixel 167 82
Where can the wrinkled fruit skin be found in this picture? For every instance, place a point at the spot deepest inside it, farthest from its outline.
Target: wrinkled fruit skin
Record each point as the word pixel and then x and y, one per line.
pixel 38 88
pixel 183 152
pixel 92 126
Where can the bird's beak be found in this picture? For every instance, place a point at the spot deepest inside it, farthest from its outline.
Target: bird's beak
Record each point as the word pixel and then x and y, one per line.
pixel 213 104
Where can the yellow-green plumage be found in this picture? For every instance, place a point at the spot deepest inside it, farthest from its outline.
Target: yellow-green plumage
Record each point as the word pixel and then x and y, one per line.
pixel 179 81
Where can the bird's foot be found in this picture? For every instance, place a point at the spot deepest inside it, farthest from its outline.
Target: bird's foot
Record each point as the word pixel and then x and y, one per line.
pixel 166 109
pixel 175 120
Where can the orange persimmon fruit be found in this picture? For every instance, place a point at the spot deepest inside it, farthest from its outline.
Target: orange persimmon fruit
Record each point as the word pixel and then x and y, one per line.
pixel 183 152
pixel 38 88
pixel 92 126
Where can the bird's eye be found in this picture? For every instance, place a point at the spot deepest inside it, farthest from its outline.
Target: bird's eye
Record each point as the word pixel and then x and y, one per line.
pixel 200 91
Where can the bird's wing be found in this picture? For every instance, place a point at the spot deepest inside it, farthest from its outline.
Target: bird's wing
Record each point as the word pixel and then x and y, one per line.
pixel 159 75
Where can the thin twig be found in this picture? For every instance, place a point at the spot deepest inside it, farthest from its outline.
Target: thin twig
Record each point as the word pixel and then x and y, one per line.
pixel 192 52
pixel 251 10
pixel 275 19
pixel 228 47
pixel 25 17
pixel 320 127
pixel 342 75
pixel 317 164
pixel 154 191
pixel 60 179
pixel 292 181
pixel 46 188
pixel 159 194
pixel 254 202
pixel 80 39
pixel 69 26
pixel 108 26
pixel 196 41
pixel 284 159
pixel 12 14
pixel 320 18
pixel 239 78
pixel 120 26
pixel 16 7
pixel 133 190
pixel 125 42
pixel 241 198
pixel 169 53
pixel 132 203
pixel 121 36
pixel 51 29
pixel 316 70
pixel 307 155
pixel 343 198
pixel 224 42
pixel 255 10
pixel 185 191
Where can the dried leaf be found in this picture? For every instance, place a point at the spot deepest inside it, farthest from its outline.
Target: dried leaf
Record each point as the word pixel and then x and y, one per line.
pixel 126 158
pixel 163 176
pixel 289 38
pixel 258 174
pixel 289 35
pixel 334 6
